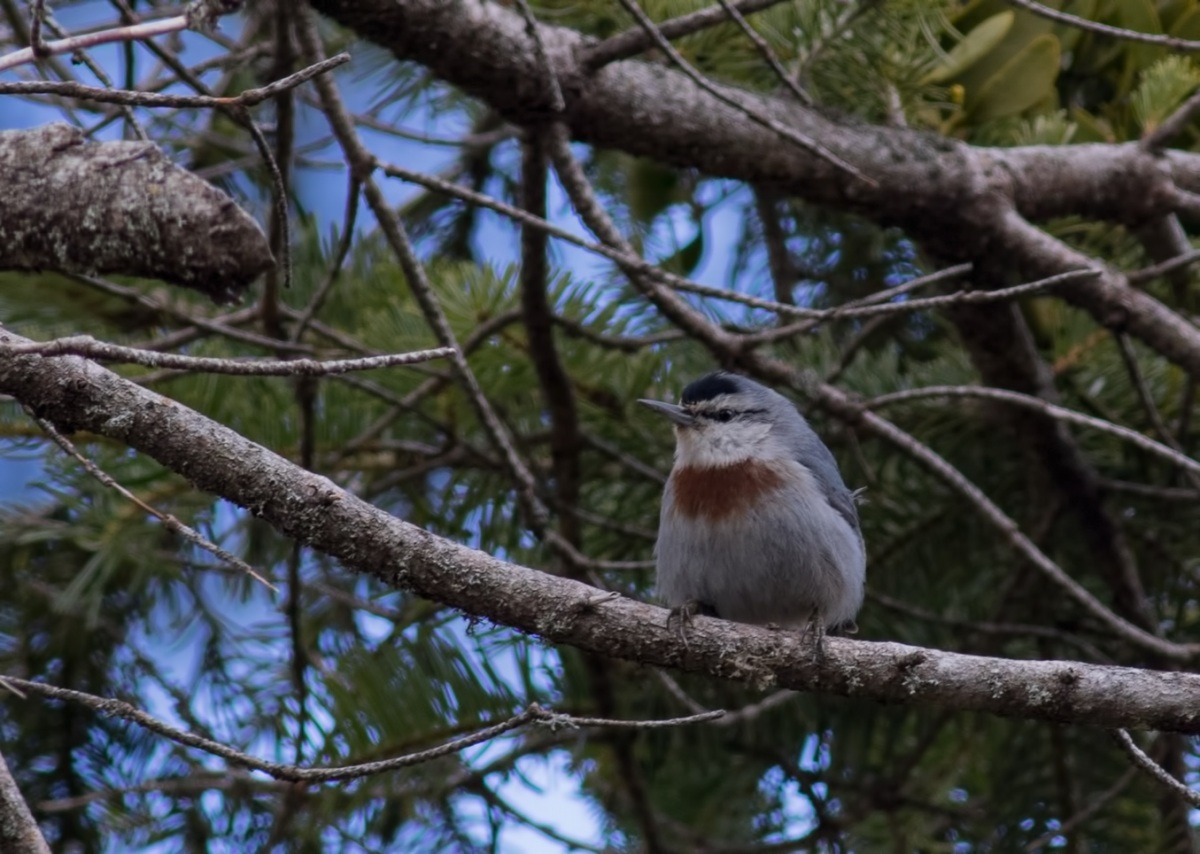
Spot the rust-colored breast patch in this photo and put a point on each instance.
(714, 493)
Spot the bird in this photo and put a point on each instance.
(756, 524)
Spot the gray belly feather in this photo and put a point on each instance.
(788, 554)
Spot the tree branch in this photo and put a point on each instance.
(78, 395)
(121, 207)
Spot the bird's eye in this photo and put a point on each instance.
(723, 415)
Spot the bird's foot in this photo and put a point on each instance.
(814, 633)
(684, 614)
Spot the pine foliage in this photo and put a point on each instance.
(96, 595)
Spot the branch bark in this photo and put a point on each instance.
(76, 394)
(77, 206)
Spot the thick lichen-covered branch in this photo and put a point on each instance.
(75, 206)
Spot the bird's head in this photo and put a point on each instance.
(723, 419)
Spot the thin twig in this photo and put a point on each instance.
(538, 316)
(860, 310)
(746, 713)
(1129, 359)
(248, 98)
(37, 9)
(850, 350)
(608, 524)
(784, 273)
(196, 783)
(554, 720)
(632, 263)
(1172, 125)
(219, 326)
(362, 162)
(1162, 493)
(1051, 410)
(480, 140)
(627, 343)
(627, 460)
(88, 347)
(101, 75)
(410, 401)
(635, 40)
(1105, 29)
(839, 403)
(1020, 630)
(566, 843)
(676, 690)
(1153, 769)
(807, 143)
(280, 771)
(138, 32)
(1161, 269)
(765, 51)
(279, 193)
(170, 522)
(1145, 397)
(129, 712)
(353, 194)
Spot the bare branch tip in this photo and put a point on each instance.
(6, 684)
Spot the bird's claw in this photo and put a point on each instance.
(814, 632)
(684, 614)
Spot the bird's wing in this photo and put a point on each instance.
(842, 500)
(818, 459)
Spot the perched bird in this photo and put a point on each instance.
(756, 523)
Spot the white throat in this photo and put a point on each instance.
(717, 445)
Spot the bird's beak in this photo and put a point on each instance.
(676, 413)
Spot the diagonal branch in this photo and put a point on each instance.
(362, 163)
(1153, 770)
